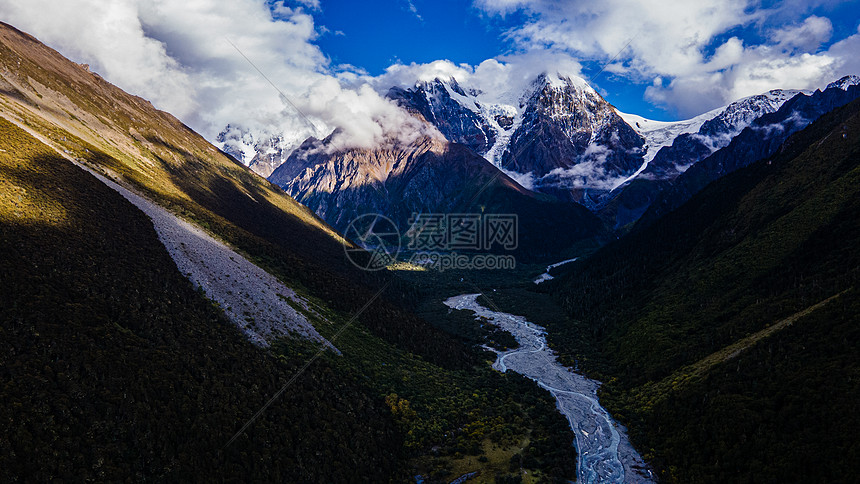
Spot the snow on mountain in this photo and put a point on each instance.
(506, 120)
(570, 141)
(453, 111)
(738, 115)
(762, 137)
(498, 116)
(553, 133)
(715, 130)
(682, 147)
(261, 151)
(845, 82)
(658, 134)
(469, 117)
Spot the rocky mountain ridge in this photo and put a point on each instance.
(556, 136)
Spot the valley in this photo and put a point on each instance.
(605, 453)
(679, 302)
(102, 308)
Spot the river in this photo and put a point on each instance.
(546, 276)
(603, 451)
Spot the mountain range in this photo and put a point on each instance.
(710, 281)
(426, 176)
(728, 326)
(557, 139)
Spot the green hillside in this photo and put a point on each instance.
(116, 368)
(98, 382)
(727, 330)
(121, 135)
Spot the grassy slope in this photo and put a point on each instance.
(97, 379)
(461, 410)
(759, 246)
(99, 124)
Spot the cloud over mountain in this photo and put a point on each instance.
(179, 55)
(698, 50)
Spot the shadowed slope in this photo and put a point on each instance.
(87, 118)
(765, 243)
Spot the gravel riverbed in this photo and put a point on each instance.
(604, 453)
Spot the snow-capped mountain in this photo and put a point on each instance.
(572, 141)
(672, 148)
(658, 134)
(760, 139)
(845, 82)
(558, 135)
(262, 152)
(428, 175)
(447, 106)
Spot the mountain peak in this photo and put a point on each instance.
(559, 81)
(845, 82)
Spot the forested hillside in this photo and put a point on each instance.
(98, 371)
(116, 368)
(727, 331)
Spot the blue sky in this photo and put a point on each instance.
(665, 59)
(374, 34)
(379, 33)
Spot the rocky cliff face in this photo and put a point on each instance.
(394, 181)
(557, 136)
(426, 176)
(572, 142)
(436, 102)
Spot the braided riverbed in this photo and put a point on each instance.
(603, 451)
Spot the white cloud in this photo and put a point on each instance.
(177, 55)
(589, 172)
(363, 117)
(502, 6)
(497, 78)
(807, 36)
(845, 54)
(673, 40)
(525, 180)
(410, 5)
(312, 4)
(758, 69)
(109, 37)
(668, 37)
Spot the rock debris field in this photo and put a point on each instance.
(257, 302)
